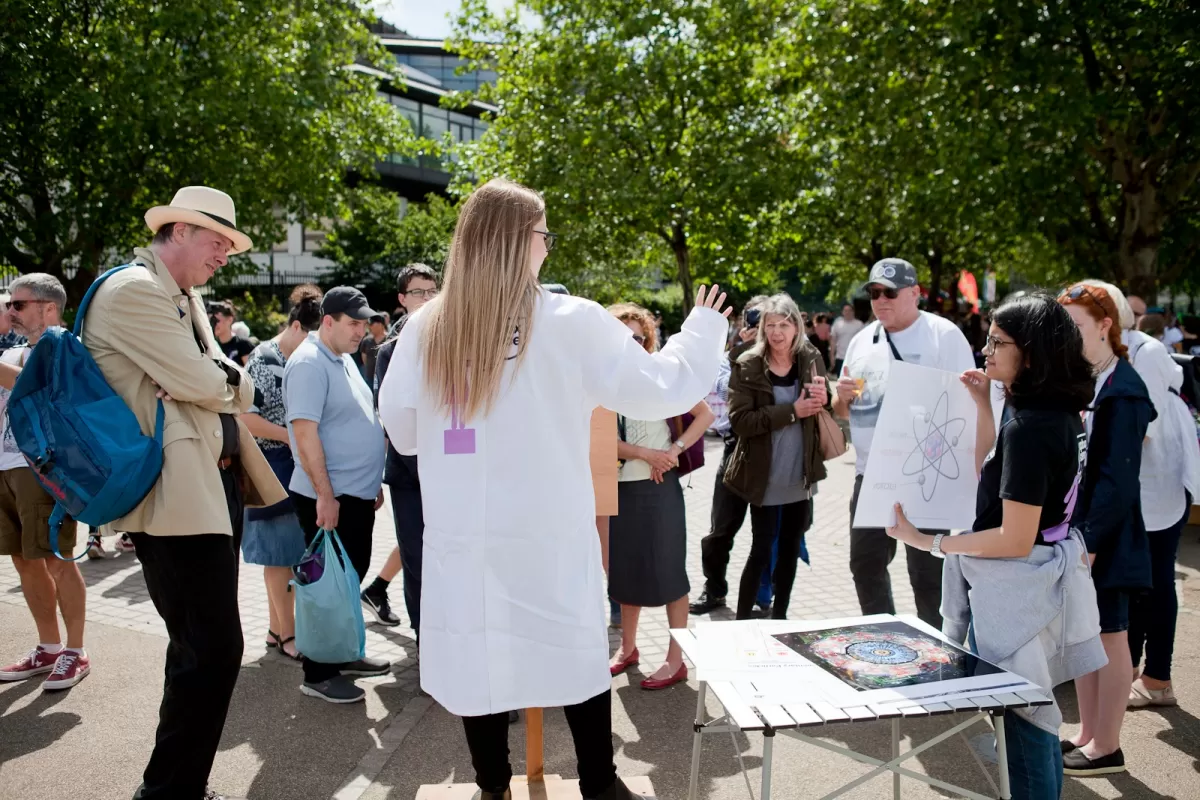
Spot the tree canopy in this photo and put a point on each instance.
(107, 107)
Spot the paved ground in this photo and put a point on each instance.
(279, 744)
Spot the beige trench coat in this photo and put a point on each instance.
(136, 334)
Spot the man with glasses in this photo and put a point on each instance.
(8, 337)
(902, 332)
(49, 584)
(417, 285)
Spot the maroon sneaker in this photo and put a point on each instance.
(70, 669)
(37, 662)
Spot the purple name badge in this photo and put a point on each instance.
(459, 440)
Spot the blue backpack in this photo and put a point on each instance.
(82, 441)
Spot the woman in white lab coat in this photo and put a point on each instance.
(493, 384)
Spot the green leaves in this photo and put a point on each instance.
(108, 107)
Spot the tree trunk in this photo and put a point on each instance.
(934, 258)
(683, 268)
(1141, 236)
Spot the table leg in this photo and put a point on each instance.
(697, 738)
(895, 755)
(768, 748)
(1002, 755)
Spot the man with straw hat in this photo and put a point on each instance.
(148, 331)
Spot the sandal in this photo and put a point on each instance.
(283, 650)
(273, 638)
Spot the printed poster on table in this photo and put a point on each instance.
(881, 661)
(922, 453)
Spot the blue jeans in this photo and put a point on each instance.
(1035, 765)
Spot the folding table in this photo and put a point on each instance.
(800, 720)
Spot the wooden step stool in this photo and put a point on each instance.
(536, 785)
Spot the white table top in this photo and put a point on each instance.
(763, 715)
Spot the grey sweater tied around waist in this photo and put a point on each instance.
(1034, 616)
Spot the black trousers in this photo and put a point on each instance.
(408, 516)
(1153, 614)
(193, 581)
(787, 523)
(591, 728)
(872, 550)
(728, 515)
(356, 519)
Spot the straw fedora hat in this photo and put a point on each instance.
(208, 208)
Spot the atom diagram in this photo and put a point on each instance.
(935, 447)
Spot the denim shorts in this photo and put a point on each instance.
(1114, 610)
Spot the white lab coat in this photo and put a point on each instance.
(512, 603)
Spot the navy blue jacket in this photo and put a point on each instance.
(1109, 511)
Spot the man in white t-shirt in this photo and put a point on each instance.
(844, 329)
(50, 585)
(902, 333)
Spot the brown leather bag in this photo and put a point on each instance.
(833, 441)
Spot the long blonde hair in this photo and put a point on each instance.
(780, 305)
(487, 297)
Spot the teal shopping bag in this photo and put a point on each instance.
(329, 617)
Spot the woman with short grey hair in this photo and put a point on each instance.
(776, 391)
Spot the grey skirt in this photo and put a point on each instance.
(647, 543)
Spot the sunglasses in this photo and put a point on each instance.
(550, 238)
(639, 339)
(422, 293)
(19, 305)
(876, 292)
(1078, 292)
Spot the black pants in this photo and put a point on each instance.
(409, 519)
(788, 524)
(728, 514)
(1153, 614)
(356, 519)
(591, 728)
(193, 581)
(872, 550)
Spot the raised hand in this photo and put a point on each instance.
(713, 301)
(979, 385)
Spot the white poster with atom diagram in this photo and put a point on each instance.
(922, 454)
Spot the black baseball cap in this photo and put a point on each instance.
(892, 273)
(347, 300)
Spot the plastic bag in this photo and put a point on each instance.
(329, 617)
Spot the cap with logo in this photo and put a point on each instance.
(893, 273)
(347, 300)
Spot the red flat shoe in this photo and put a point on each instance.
(680, 676)
(621, 666)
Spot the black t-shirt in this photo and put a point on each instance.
(237, 349)
(1037, 456)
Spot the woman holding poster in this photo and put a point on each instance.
(1005, 585)
(493, 384)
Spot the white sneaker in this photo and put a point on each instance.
(1141, 696)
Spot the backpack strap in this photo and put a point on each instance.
(56, 520)
(87, 297)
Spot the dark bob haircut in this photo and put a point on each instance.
(1054, 374)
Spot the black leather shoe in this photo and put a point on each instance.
(618, 791)
(706, 603)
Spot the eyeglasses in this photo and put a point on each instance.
(422, 293)
(550, 238)
(19, 305)
(876, 292)
(639, 339)
(992, 343)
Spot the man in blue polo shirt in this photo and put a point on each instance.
(339, 446)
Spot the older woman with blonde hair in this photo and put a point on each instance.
(648, 537)
(493, 385)
(776, 391)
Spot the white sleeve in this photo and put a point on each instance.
(400, 389)
(1158, 371)
(955, 352)
(621, 376)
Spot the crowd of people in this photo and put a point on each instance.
(1084, 482)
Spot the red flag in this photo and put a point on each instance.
(968, 290)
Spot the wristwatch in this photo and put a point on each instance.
(679, 443)
(936, 549)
